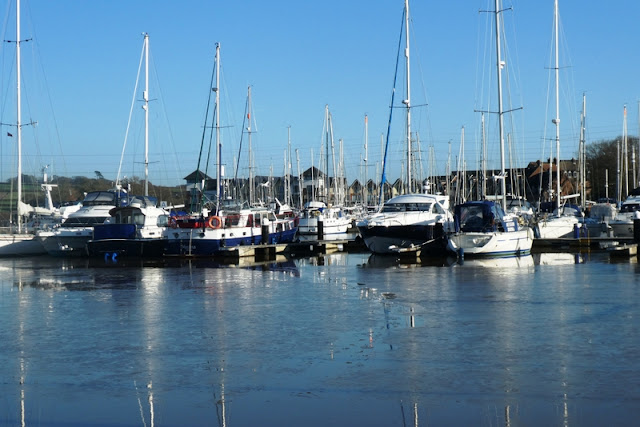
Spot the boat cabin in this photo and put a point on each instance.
(482, 216)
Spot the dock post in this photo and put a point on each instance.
(636, 230)
(320, 229)
(265, 234)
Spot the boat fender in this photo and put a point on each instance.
(214, 222)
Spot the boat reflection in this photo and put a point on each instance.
(327, 237)
(395, 261)
(557, 258)
(95, 274)
(500, 263)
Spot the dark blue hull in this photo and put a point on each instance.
(200, 246)
(129, 248)
(431, 238)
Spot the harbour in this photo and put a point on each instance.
(340, 339)
(495, 286)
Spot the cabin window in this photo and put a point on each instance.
(393, 207)
(138, 218)
(163, 221)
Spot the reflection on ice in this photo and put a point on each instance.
(499, 263)
(558, 258)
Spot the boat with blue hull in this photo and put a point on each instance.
(209, 236)
(136, 230)
(70, 238)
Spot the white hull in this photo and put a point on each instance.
(20, 245)
(621, 228)
(329, 226)
(558, 227)
(66, 242)
(497, 243)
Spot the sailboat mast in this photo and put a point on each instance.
(217, 126)
(288, 196)
(251, 182)
(300, 181)
(556, 120)
(145, 97)
(583, 178)
(500, 64)
(18, 114)
(484, 161)
(326, 157)
(407, 101)
(366, 159)
(625, 157)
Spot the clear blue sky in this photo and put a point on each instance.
(298, 57)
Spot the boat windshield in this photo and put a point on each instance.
(84, 221)
(406, 207)
(629, 207)
(130, 216)
(99, 198)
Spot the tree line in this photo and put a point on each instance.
(602, 165)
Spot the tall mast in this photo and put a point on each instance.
(145, 97)
(300, 181)
(19, 114)
(217, 126)
(407, 101)
(625, 157)
(556, 121)
(464, 169)
(366, 159)
(327, 181)
(500, 64)
(583, 137)
(249, 118)
(484, 161)
(287, 159)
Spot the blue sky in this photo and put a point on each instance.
(298, 58)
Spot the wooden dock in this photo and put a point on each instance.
(582, 243)
(293, 249)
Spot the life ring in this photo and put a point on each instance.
(172, 222)
(214, 222)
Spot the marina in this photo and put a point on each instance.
(234, 284)
(341, 339)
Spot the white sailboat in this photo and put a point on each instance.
(483, 228)
(16, 241)
(333, 217)
(561, 223)
(414, 219)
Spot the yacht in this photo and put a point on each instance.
(409, 220)
(622, 222)
(483, 229)
(231, 226)
(334, 219)
(135, 230)
(69, 239)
